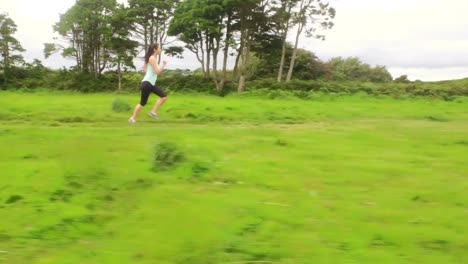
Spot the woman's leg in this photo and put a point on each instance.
(136, 112)
(162, 99)
(146, 88)
(158, 104)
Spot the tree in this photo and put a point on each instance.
(348, 69)
(123, 49)
(283, 16)
(86, 30)
(380, 74)
(309, 67)
(402, 79)
(221, 13)
(310, 15)
(36, 69)
(253, 23)
(188, 26)
(9, 45)
(353, 69)
(206, 28)
(209, 27)
(151, 20)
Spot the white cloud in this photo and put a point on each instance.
(426, 39)
(34, 20)
(431, 74)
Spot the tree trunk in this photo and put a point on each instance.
(283, 58)
(302, 11)
(151, 30)
(241, 86)
(205, 75)
(215, 64)
(163, 34)
(208, 44)
(245, 60)
(146, 39)
(239, 53)
(243, 69)
(293, 57)
(97, 56)
(283, 51)
(158, 40)
(236, 64)
(226, 53)
(243, 52)
(200, 59)
(119, 73)
(6, 63)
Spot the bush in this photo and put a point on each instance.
(14, 199)
(199, 169)
(34, 77)
(120, 106)
(166, 155)
(186, 83)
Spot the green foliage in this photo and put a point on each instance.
(402, 79)
(443, 90)
(309, 67)
(199, 169)
(167, 155)
(36, 76)
(379, 74)
(119, 106)
(281, 142)
(49, 49)
(150, 21)
(186, 83)
(9, 45)
(14, 198)
(87, 83)
(28, 76)
(199, 24)
(352, 69)
(98, 37)
(122, 50)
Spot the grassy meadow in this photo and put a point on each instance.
(351, 179)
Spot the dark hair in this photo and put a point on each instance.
(150, 51)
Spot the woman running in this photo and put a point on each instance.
(148, 84)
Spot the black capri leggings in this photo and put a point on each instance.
(146, 89)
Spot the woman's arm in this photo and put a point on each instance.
(157, 70)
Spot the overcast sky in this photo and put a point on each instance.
(425, 39)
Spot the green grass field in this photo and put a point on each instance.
(333, 180)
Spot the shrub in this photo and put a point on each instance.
(120, 106)
(14, 199)
(199, 169)
(166, 155)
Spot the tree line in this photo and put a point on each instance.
(103, 35)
